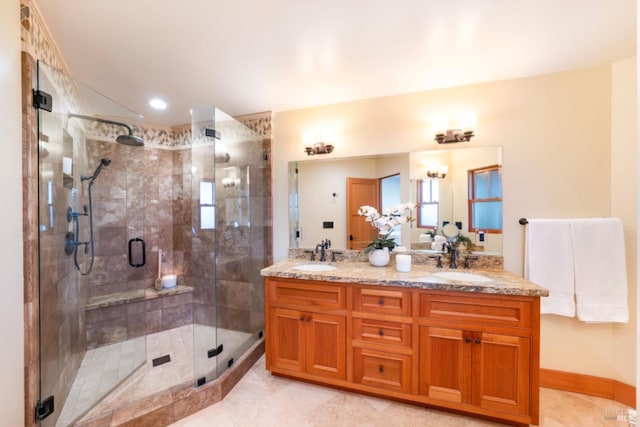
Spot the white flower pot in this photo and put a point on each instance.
(379, 257)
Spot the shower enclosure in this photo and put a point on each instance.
(120, 204)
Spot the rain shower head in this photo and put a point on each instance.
(130, 139)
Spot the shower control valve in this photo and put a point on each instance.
(71, 214)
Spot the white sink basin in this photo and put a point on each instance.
(315, 267)
(465, 277)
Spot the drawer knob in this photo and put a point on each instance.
(478, 341)
(381, 369)
(381, 332)
(302, 318)
(467, 340)
(381, 301)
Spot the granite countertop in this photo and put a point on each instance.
(421, 277)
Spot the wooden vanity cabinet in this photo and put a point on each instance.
(471, 352)
(306, 328)
(479, 350)
(487, 370)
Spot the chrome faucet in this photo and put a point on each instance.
(324, 245)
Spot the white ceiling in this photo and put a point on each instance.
(247, 56)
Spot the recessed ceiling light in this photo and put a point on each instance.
(158, 104)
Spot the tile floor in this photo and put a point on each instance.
(260, 399)
(123, 372)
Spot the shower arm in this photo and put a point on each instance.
(106, 121)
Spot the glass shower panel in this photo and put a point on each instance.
(201, 255)
(232, 159)
(91, 248)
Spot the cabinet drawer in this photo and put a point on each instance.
(381, 332)
(388, 371)
(382, 301)
(306, 294)
(489, 311)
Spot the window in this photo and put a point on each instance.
(207, 209)
(485, 199)
(428, 203)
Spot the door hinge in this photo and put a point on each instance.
(212, 133)
(44, 408)
(42, 100)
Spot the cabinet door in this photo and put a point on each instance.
(501, 379)
(445, 364)
(286, 340)
(325, 345)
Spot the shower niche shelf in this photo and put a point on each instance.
(67, 181)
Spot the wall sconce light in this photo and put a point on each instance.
(314, 142)
(318, 148)
(229, 182)
(437, 172)
(462, 133)
(231, 179)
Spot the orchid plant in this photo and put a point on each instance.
(386, 222)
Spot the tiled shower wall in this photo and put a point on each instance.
(139, 195)
(227, 294)
(244, 250)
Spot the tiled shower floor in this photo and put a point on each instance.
(104, 367)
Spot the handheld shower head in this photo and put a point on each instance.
(103, 162)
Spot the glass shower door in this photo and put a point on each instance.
(229, 239)
(91, 248)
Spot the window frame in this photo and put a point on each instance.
(472, 200)
(421, 203)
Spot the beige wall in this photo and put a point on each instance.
(317, 204)
(316, 187)
(624, 191)
(555, 131)
(11, 302)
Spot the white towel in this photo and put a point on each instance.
(549, 263)
(600, 270)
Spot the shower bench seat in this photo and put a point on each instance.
(124, 315)
(134, 296)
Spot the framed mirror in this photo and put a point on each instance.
(318, 195)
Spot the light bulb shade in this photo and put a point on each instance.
(439, 125)
(468, 122)
(437, 172)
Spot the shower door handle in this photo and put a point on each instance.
(144, 261)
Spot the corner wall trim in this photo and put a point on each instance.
(590, 385)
